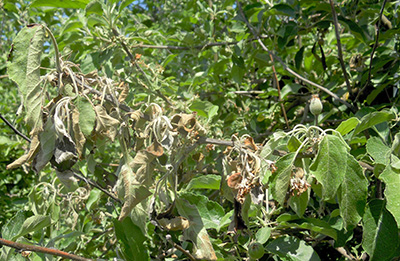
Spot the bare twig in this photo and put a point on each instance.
(14, 129)
(348, 105)
(94, 184)
(133, 61)
(184, 251)
(339, 45)
(39, 249)
(200, 47)
(373, 51)
(279, 92)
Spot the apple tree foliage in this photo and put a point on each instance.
(184, 129)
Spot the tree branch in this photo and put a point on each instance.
(39, 249)
(200, 47)
(373, 51)
(348, 105)
(133, 61)
(14, 129)
(339, 45)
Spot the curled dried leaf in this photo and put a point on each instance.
(234, 180)
(105, 124)
(250, 144)
(174, 224)
(33, 150)
(155, 149)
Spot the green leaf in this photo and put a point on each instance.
(352, 193)
(378, 150)
(328, 167)
(237, 74)
(391, 177)
(169, 59)
(61, 3)
(282, 176)
(197, 233)
(372, 119)
(292, 248)
(94, 196)
(13, 228)
(210, 211)
(35, 223)
(205, 182)
(293, 144)
(24, 69)
(263, 235)
(204, 108)
(132, 240)
(299, 203)
(284, 9)
(380, 234)
(299, 58)
(87, 115)
(347, 125)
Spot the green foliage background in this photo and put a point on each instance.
(205, 57)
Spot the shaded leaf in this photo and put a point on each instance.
(47, 146)
(352, 193)
(292, 248)
(282, 177)
(133, 240)
(196, 233)
(380, 236)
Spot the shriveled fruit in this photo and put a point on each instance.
(256, 250)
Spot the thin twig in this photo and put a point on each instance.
(339, 45)
(87, 180)
(133, 61)
(279, 92)
(373, 51)
(39, 249)
(14, 129)
(94, 184)
(184, 251)
(200, 47)
(348, 105)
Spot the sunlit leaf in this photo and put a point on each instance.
(328, 167)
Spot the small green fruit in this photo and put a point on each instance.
(256, 250)
(315, 105)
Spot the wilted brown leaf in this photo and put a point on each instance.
(155, 149)
(79, 137)
(34, 148)
(174, 224)
(105, 124)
